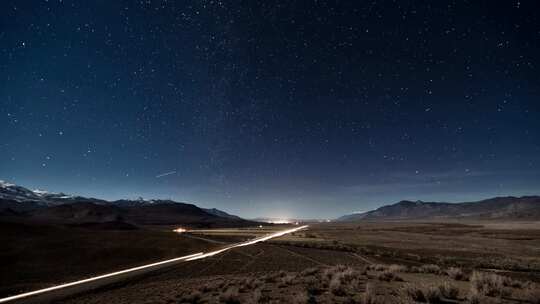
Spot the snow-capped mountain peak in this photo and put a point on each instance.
(17, 193)
(4, 184)
(40, 192)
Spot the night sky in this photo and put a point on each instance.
(276, 108)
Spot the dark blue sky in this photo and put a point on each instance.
(287, 108)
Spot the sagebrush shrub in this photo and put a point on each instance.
(456, 274)
(487, 284)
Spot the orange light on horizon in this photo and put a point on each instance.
(180, 230)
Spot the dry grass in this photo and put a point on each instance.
(431, 293)
(339, 284)
(340, 277)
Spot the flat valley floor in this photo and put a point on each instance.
(391, 262)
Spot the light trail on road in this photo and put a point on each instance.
(246, 243)
(191, 257)
(108, 275)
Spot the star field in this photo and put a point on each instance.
(277, 108)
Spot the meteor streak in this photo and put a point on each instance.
(165, 174)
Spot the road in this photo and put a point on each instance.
(64, 290)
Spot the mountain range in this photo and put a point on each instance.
(517, 208)
(18, 203)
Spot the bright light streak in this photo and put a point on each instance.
(280, 221)
(250, 242)
(180, 230)
(190, 257)
(24, 295)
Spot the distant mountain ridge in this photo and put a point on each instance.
(220, 213)
(519, 208)
(20, 203)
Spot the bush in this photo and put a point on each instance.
(509, 282)
(230, 296)
(194, 296)
(430, 268)
(328, 273)
(248, 284)
(487, 284)
(300, 298)
(369, 296)
(388, 276)
(449, 291)
(532, 296)
(415, 293)
(377, 267)
(456, 274)
(313, 286)
(287, 280)
(433, 295)
(310, 271)
(206, 288)
(474, 297)
(336, 286)
(270, 278)
(398, 268)
(349, 274)
(255, 297)
(424, 294)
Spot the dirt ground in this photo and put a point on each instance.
(395, 262)
(38, 256)
(510, 247)
(355, 263)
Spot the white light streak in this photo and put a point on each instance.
(24, 295)
(191, 257)
(165, 174)
(250, 242)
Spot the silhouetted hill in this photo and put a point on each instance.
(519, 208)
(19, 203)
(78, 212)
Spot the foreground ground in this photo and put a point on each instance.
(351, 263)
(38, 256)
(509, 247)
(394, 262)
